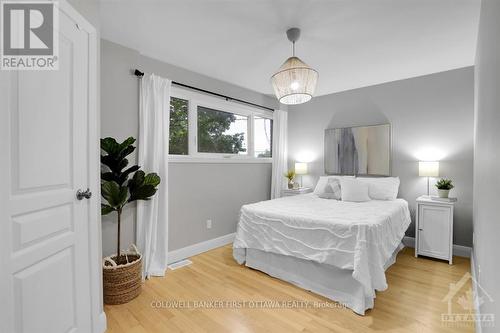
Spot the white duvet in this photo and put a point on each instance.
(360, 237)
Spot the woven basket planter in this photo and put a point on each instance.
(122, 282)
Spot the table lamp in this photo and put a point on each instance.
(300, 169)
(428, 169)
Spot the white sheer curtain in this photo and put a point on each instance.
(152, 215)
(280, 158)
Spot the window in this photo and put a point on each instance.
(203, 126)
(221, 132)
(263, 129)
(178, 140)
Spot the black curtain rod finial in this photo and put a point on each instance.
(138, 73)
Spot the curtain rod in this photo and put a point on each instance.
(140, 74)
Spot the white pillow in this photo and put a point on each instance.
(354, 190)
(385, 188)
(332, 190)
(323, 181)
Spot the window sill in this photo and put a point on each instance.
(218, 160)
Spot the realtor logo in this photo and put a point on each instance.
(467, 301)
(29, 38)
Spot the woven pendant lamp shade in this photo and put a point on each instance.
(295, 82)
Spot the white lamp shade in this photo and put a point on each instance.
(295, 82)
(300, 168)
(428, 169)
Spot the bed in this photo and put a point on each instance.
(334, 248)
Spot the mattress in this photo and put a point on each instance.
(358, 237)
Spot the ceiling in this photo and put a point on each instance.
(352, 43)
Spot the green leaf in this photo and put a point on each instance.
(122, 178)
(131, 169)
(142, 193)
(125, 152)
(110, 162)
(152, 179)
(114, 164)
(142, 186)
(127, 142)
(109, 145)
(108, 176)
(136, 181)
(121, 164)
(106, 209)
(115, 195)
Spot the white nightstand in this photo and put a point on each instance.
(289, 193)
(434, 228)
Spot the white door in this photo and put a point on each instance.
(45, 280)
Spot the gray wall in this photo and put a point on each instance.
(433, 111)
(88, 9)
(487, 159)
(197, 191)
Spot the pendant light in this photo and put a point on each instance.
(295, 81)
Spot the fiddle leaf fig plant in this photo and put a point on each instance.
(117, 189)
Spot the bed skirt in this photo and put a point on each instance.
(326, 280)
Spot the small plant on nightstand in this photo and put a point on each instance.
(444, 186)
(290, 175)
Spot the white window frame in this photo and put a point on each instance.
(196, 99)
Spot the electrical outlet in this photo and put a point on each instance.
(209, 224)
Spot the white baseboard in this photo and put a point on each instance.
(100, 325)
(198, 248)
(473, 272)
(458, 250)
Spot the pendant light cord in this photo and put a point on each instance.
(293, 49)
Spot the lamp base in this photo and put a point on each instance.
(428, 187)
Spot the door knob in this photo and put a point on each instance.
(80, 194)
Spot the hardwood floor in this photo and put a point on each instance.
(412, 303)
